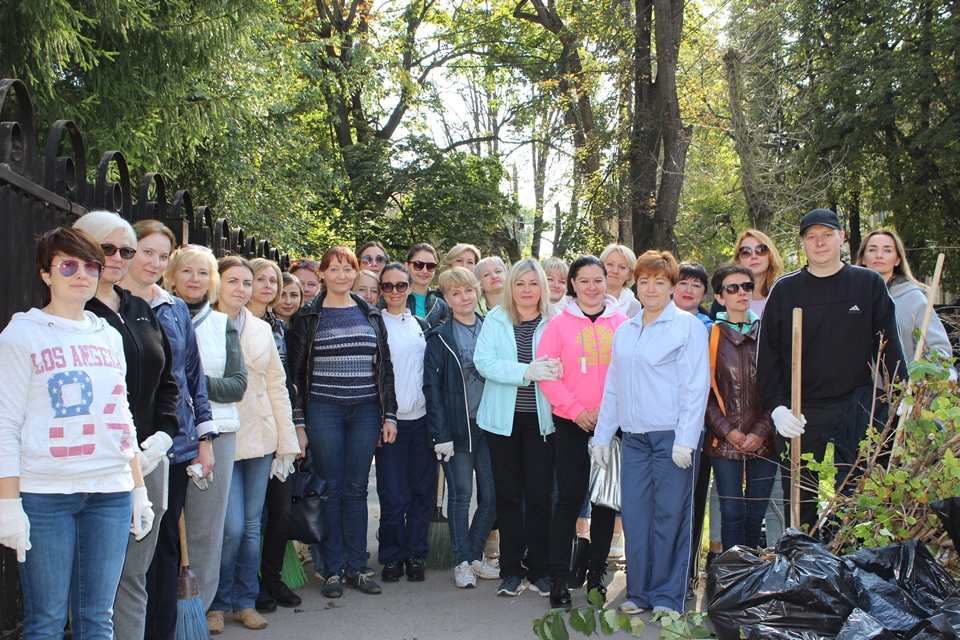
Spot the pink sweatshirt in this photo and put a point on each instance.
(584, 348)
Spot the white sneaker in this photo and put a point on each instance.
(464, 576)
(616, 546)
(486, 569)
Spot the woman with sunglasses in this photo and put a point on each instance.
(406, 467)
(373, 257)
(291, 298)
(883, 251)
(155, 591)
(755, 250)
(306, 271)
(152, 390)
(739, 440)
(69, 470)
(192, 276)
(340, 365)
(264, 299)
(517, 419)
(424, 301)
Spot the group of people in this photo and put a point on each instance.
(141, 418)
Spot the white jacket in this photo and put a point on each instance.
(407, 345)
(658, 380)
(211, 332)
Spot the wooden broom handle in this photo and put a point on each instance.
(931, 295)
(184, 558)
(795, 386)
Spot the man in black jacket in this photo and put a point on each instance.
(847, 317)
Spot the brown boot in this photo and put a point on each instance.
(251, 619)
(215, 622)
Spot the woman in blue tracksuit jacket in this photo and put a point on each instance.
(519, 424)
(656, 392)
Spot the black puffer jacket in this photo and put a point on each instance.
(151, 388)
(300, 340)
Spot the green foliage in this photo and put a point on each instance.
(596, 619)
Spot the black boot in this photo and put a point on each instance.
(559, 593)
(595, 581)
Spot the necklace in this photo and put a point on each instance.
(473, 328)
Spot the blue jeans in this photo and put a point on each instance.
(657, 506)
(343, 439)
(79, 543)
(469, 541)
(240, 555)
(407, 488)
(741, 512)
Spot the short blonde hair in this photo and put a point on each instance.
(455, 277)
(455, 252)
(508, 303)
(555, 264)
(261, 264)
(369, 274)
(100, 224)
(189, 254)
(628, 255)
(658, 263)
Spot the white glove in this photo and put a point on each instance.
(787, 425)
(195, 471)
(542, 369)
(444, 451)
(15, 527)
(142, 514)
(682, 456)
(152, 450)
(601, 455)
(282, 465)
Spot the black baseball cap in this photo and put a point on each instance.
(820, 216)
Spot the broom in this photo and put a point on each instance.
(191, 621)
(292, 573)
(440, 555)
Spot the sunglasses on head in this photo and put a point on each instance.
(372, 259)
(759, 250)
(125, 252)
(420, 266)
(748, 287)
(68, 268)
(304, 262)
(388, 287)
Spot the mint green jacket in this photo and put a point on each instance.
(496, 359)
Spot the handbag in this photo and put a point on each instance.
(308, 513)
(605, 483)
(579, 555)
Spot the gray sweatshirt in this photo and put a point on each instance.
(911, 303)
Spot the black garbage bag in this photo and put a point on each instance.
(763, 632)
(802, 587)
(862, 626)
(933, 628)
(950, 610)
(900, 584)
(949, 512)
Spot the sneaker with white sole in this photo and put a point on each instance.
(510, 586)
(486, 569)
(464, 577)
(630, 608)
(541, 586)
(616, 546)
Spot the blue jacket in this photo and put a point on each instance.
(658, 380)
(193, 410)
(444, 388)
(496, 360)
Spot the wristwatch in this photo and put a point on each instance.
(207, 438)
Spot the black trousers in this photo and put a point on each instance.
(522, 465)
(277, 505)
(572, 463)
(701, 499)
(844, 423)
(165, 568)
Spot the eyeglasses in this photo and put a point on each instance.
(68, 268)
(125, 252)
(759, 250)
(388, 287)
(748, 287)
(371, 260)
(197, 247)
(420, 266)
(304, 262)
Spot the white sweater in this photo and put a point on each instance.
(65, 426)
(407, 345)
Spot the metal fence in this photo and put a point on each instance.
(39, 192)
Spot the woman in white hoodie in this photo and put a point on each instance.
(70, 479)
(883, 251)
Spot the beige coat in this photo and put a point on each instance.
(266, 419)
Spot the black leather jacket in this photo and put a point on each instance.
(301, 337)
